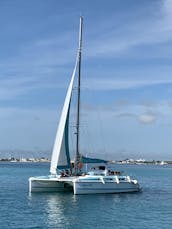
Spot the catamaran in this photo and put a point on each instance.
(63, 177)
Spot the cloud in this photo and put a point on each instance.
(124, 114)
(159, 112)
(22, 80)
(40, 59)
(40, 63)
(167, 10)
(140, 28)
(144, 118)
(147, 118)
(110, 83)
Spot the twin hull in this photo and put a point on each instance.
(49, 185)
(81, 186)
(99, 187)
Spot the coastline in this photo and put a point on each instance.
(126, 161)
(18, 160)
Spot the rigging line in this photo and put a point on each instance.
(87, 148)
(88, 134)
(101, 132)
(90, 144)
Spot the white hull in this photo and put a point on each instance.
(48, 184)
(85, 186)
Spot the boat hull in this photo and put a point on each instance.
(41, 184)
(83, 185)
(88, 187)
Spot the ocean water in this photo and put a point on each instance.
(150, 209)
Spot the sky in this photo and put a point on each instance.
(126, 83)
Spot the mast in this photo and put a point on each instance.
(78, 98)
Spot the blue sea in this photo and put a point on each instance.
(150, 209)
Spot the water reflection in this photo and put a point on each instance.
(65, 210)
(57, 208)
(56, 211)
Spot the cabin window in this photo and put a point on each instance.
(102, 167)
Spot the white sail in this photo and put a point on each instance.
(60, 156)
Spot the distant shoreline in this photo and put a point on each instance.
(12, 159)
(126, 161)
